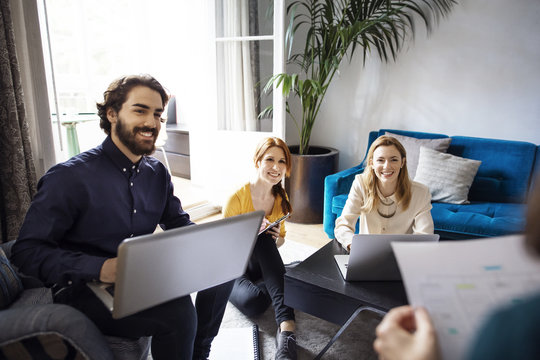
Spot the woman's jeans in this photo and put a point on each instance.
(263, 282)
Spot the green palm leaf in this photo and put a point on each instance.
(335, 29)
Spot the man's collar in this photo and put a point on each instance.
(117, 156)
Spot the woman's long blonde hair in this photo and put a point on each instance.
(369, 180)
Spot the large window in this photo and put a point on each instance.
(93, 42)
(245, 61)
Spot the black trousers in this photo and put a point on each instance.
(262, 284)
(179, 330)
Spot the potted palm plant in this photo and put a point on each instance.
(335, 29)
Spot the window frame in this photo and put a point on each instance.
(278, 39)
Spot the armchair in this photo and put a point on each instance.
(34, 325)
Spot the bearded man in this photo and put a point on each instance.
(87, 205)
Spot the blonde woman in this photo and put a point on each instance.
(384, 198)
(263, 282)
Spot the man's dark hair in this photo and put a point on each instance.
(116, 94)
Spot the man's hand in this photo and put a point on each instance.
(406, 333)
(108, 271)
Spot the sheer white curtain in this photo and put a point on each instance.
(239, 105)
(32, 69)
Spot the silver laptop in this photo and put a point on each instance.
(372, 259)
(156, 268)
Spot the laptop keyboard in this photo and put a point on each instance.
(110, 289)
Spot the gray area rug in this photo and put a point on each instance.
(312, 335)
(234, 342)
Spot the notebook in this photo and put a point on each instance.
(371, 257)
(236, 343)
(156, 268)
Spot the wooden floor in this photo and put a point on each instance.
(193, 201)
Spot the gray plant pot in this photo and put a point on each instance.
(305, 186)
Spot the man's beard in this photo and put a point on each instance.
(127, 138)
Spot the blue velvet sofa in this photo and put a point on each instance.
(497, 196)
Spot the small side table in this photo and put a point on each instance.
(72, 138)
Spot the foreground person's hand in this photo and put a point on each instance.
(406, 333)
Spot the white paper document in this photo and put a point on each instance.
(462, 282)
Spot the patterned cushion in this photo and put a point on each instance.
(448, 177)
(10, 284)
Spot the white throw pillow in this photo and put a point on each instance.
(412, 146)
(448, 177)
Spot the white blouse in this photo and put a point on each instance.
(415, 220)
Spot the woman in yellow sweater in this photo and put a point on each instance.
(263, 282)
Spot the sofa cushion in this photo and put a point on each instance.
(447, 176)
(10, 284)
(34, 296)
(412, 147)
(479, 218)
(506, 171)
(471, 220)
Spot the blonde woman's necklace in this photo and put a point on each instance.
(387, 206)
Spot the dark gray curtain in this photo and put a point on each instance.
(17, 173)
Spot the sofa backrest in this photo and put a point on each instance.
(507, 170)
(415, 134)
(373, 135)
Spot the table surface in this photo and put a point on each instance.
(315, 286)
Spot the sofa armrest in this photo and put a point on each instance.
(337, 184)
(53, 327)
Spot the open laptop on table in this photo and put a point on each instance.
(155, 268)
(372, 259)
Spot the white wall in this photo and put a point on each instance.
(477, 74)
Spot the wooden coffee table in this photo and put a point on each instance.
(315, 286)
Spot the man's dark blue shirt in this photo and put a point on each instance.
(86, 206)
